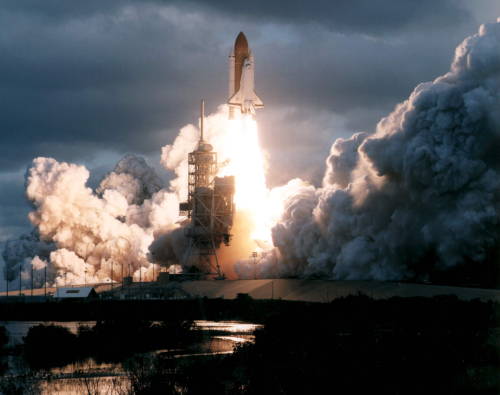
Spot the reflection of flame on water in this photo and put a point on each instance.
(226, 326)
(235, 339)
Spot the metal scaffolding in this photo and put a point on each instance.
(209, 207)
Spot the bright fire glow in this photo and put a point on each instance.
(246, 161)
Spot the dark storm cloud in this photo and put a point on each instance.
(79, 76)
(361, 16)
(112, 80)
(13, 206)
(62, 8)
(332, 73)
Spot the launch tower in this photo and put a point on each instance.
(209, 207)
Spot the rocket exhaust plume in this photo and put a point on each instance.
(418, 196)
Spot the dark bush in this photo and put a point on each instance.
(50, 345)
(359, 345)
(4, 338)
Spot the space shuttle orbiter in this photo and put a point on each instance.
(242, 96)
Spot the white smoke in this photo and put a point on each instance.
(420, 194)
(133, 178)
(87, 236)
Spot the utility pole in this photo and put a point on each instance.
(131, 279)
(45, 280)
(122, 259)
(32, 279)
(111, 282)
(20, 271)
(254, 256)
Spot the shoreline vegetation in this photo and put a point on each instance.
(352, 345)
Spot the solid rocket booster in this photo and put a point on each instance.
(242, 96)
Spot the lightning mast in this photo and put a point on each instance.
(209, 207)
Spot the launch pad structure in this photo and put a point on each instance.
(209, 207)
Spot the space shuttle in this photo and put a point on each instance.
(242, 96)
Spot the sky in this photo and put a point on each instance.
(90, 81)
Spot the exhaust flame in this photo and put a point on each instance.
(247, 163)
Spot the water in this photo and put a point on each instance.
(18, 329)
(108, 385)
(227, 326)
(107, 378)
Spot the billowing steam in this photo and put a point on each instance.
(129, 222)
(420, 194)
(91, 236)
(133, 178)
(95, 236)
(20, 254)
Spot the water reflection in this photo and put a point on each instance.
(88, 376)
(226, 326)
(117, 384)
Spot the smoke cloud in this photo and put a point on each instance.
(420, 194)
(86, 236)
(19, 253)
(129, 225)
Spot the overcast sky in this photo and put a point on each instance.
(89, 81)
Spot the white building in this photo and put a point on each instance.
(76, 293)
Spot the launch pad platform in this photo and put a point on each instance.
(316, 291)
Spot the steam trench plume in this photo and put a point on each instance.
(418, 196)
